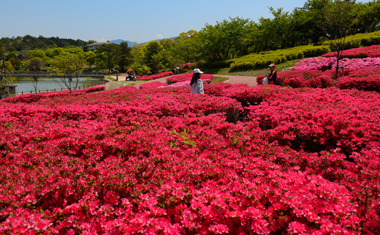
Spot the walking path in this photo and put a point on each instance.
(251, 81)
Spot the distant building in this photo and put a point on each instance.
(96, 45)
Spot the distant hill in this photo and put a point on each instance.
(118, 41)
(30, 42)
(130, 44)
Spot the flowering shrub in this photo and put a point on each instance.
(361, 79)
(302, 78)
(186, 66)
(371, 51)
(187, 77)
(365, 83)
(164, 161)
(28, 98)
(325, 63)
(155, 76)
(152, 85)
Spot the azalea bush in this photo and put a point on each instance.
(237, 160)
(152, 85)
(328, 63)
(302, 78)
(370, 51)
(367, 80)
(155, 76)
(28, 98)
(186, 66)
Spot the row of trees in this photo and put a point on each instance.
(312, 23)
(28, 42)
(316, 21)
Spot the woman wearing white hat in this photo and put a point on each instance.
(196, 84)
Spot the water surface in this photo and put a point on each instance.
(25, 84)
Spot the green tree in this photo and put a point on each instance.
(151, 49)
(35, 66)
(339, 17)
(220, 41)
(2, 57)
(52, 52)
(108, 51)
(90, 57)
(367, 17)
(186, 47)
(305, 26)
(123, 55)
(37, 53)
(7, 80)
(68, 67)
(167, 43)
(138, 58)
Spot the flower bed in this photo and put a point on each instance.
(155, 76)
(151, 161)
(363, 79)
(187, 77)
(29, 98)
(186, 66)
(326, 63)
(302, 78)
(152, 85)
(371, 51)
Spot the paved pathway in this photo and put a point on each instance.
(251, 81)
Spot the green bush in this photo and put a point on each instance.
(218, 64)
(360, 39)
(198, 64)
(263, 59)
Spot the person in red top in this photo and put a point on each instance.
(272, 77)
(131, 75)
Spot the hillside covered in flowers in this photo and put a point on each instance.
(237, 160)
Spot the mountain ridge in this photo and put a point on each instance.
(130, 44)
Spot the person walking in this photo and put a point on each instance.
(272, 77)
(196, 84)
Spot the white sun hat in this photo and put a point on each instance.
(197, 71)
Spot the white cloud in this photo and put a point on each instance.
(159, 36)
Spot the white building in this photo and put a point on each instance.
(96, 45)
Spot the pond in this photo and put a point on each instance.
(25, 84)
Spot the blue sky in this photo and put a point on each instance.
(137, 21)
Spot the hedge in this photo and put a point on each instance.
(262, 59)
(360, 39)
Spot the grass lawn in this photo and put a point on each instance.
(217, 79)
(256, 72)
(111, 78)
(131, 83)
